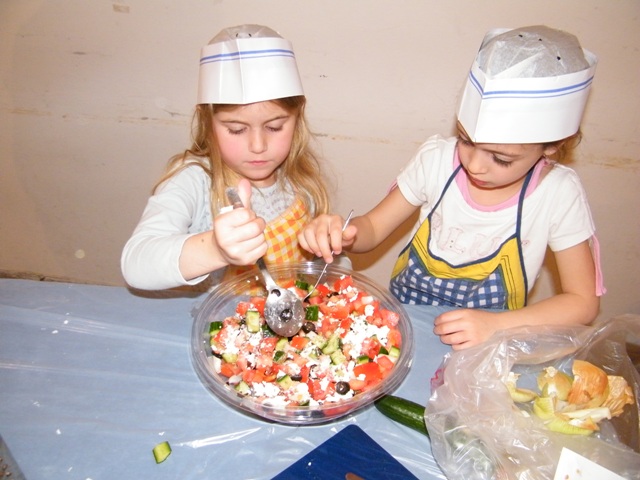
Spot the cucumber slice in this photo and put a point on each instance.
(332, 345)
(161, 451)
(243, 388)
(363, 359)
(279, 356)
(214, 328)
(252, 319)
(394, 352)
(338, 358)
(311, 313)
(230, 357)
(282, 343)
(285, 382)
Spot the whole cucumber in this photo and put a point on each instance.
(403, 411)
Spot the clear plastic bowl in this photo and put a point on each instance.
(222, 302)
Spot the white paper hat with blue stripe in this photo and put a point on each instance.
(526, 85)
(247, 64)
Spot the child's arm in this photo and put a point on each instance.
(578, 304)
(324, 234)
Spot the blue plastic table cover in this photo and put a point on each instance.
(93, 377)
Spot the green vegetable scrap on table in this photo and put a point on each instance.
(161, 451)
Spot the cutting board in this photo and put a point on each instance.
(350, 451)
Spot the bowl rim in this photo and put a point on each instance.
(202, 358)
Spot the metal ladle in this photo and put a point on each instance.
(283, 310)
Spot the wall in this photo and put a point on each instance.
(95, 96)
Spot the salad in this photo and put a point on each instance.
(347, 345)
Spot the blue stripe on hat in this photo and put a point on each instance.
(224, 57)
(557, 92)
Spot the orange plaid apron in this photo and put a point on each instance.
(282, 239)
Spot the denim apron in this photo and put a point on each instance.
(497, 281)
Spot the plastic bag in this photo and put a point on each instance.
(478, 432)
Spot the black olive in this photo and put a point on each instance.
(308, 327)
(333, 294)
(296, 378)
(286, 315)
(342, 388)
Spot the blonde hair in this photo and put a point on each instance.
(565, 147)
(301, 168)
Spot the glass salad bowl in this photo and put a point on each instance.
(355, 346)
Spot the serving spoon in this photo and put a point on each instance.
(283, 310)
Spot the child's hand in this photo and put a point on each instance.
(465, 328)
(239, 233)
(324, 236)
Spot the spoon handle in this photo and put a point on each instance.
(234, 198)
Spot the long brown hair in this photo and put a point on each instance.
(301, 168)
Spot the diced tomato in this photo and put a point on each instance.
(328, 327)
(373, 383)
(323, 289)
(258, 303)
(317, 300)
(242, 362)
(371, 347)
(346, 349)
(386, 365)
(338, 409)
(298, 342)
(231, 321)
(336, 311)
(304, 373)
(389, 318)
(258, 375)
(268, 345)
(345, 325)
(298, 359)
(242, 308)
(371, 371)
(287, 284)
(270, 374)
(343, 283)
(331, 389)
(299, 292)
(357, 385)
(248, 375)
(357, 305)
(394, 338)
(315, 390)
(229, 369)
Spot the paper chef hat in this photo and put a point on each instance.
(246, 64)
(528, 85)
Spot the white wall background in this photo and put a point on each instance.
(96, 95)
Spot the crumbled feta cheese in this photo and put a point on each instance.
(266, 389)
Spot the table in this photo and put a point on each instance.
(92, 377)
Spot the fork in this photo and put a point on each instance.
(324, 270)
